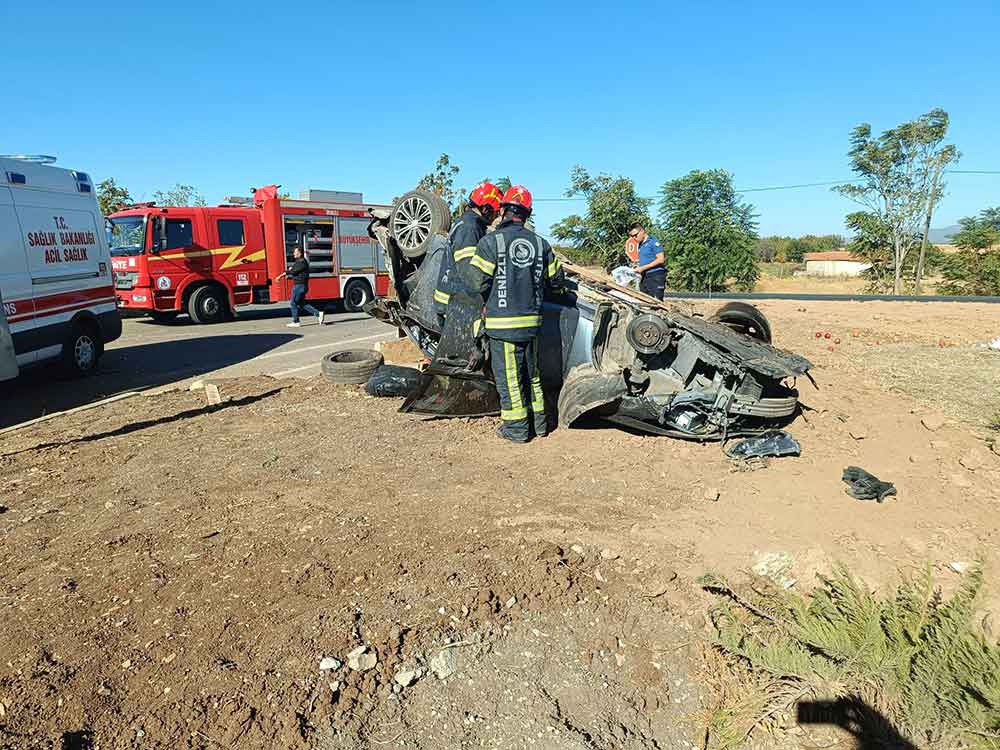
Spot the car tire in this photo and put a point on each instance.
(163, 316)
(208, 304)
(82, 349)
(415, 218)
(357, 294)
(351, 367)
(744, 318)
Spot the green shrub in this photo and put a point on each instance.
(916, 659)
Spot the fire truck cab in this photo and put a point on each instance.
(206, 261)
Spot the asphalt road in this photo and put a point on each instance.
(149, 354)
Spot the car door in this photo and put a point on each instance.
(15, 282)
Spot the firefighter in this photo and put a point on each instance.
(515, 266)
(484, 204)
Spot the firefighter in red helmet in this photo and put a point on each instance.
(515, 266)
(483, 206)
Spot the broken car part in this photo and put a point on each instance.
(774, 443)
(864, 486)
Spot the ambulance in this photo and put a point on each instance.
(56, 280)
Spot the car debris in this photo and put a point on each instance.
(775, 443)
(862, 485)
(610, 352)
(393, 380)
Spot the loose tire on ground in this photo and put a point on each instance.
(82, 349)
(357, 294)
(208, 304)
(163, 316)
(415, 218)
(351, 367)
(744, 318)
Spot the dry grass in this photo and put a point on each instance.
(962, 382)
(811, 284)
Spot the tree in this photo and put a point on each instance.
(975, 268)
(442, 179)
(179, 195)
(112, 197)
(872, 243)
(898, 174)
(709, 232)
(612, 207)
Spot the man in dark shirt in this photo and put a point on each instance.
(651, 266)
(298, 273)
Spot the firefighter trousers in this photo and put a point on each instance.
(519, 383)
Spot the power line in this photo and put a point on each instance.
(780, 187)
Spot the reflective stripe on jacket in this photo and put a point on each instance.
(463, 238)
(515, 266)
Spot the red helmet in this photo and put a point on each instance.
(517, 196)
(486, 194)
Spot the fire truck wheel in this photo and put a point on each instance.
(351, 367)
(82, 349)
(357, 294)
(163, 316)
(416, 217)
(207, 304)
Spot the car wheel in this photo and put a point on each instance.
(82, 349)
(163, 316)
(357, 294)
(746, 319)
(208, 304)
(351, 367)
(415, 219)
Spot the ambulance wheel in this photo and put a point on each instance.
(357, 294)
(163, 316)
(82, 349)
(208, 304)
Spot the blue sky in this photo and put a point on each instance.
(365, 96)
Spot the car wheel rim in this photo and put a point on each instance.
(411, 223)
(84, 352)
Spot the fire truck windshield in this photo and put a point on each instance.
(127, 235)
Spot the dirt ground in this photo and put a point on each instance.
(174, 576)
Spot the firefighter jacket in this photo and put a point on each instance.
(515, 266)
(463, 238)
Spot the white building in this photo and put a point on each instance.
(834, 263)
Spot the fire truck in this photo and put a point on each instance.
(207, 260)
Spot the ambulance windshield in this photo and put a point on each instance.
(128, 235)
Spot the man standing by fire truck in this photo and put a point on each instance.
(515, 266)
(298, 273)
(483, 206)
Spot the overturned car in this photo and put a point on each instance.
(607, 352)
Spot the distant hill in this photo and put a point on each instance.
(943, 236)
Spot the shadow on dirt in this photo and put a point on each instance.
(869, 727)
(43, 390)
(147, 423)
